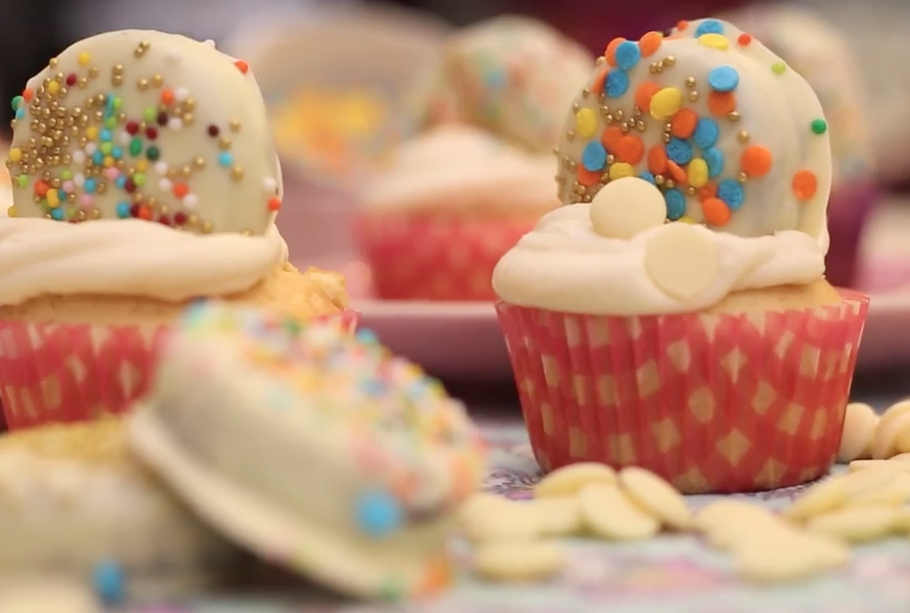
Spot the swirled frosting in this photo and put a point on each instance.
(460, 168)
(564, 265)
(129, 257)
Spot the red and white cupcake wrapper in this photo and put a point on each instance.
(52, 372)
(427, 257)
(713, 403)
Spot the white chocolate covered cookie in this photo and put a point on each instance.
(725, 129)
(145, 125)
(312, 448)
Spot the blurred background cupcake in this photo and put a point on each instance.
(478, 171)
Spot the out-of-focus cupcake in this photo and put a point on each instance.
(453, 198)
(822, 55)
(332, 83)
(163, 190)
(677, 317)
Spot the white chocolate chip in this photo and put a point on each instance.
(892, 466)
(657, 497)
(609, 514)
(892, 436)
(47, 596)
(568, 480)
(559, 516)
(895, 493)
(731, 527)
(477, 505)
(860, 422)
(509, 521)
(625, 207)
(823, 497)
(855, 524)
(781, 557)
(884, 432)
(680, 260)
(519, 561)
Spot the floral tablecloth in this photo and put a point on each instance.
(670, 574)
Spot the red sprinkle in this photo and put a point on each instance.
(71, 79)
(242, 66)
(132, 127)
(744, 39)
(151, 133)
(180, 218)
(274, 204)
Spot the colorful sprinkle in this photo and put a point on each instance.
(804, 185)
(819, 126)
(649, 177)
(709, 26)
(778, 68)
(716, 211)
(714, 158)
(627, 55)
(684, 123)
(723, 79)
(755, 161)
(706, 133)
(666, 103)
(621, 170)
(676, 204)
(679, 151)
(109, 582)
(378, 513)
(650, 43)
(731, 192)
(617, 84)
(594, 156)
(585, 122)
(714, 41)
(697, 172)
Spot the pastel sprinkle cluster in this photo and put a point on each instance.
(690, 160)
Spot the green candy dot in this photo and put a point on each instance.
(17, 102)
(110, 123)
(152, 153)
(135, 146)
(292, 327)
(106, 148)
(138, 179)
(778, 68)
(819, 126)
(22, 180)
(66, 175)
(149, 113)
(118, 103)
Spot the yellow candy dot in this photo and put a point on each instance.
(53, 87)
(685, 219)
(15, 154)
(91, 133)
(621, 170)
(666, 103)
(715, 41)
(11, 211)
(108, 162)
(53, 200)
(585, 123)
(84, 58)
(697, 172)
(142, 165)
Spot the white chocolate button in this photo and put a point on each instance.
(734, 526)
(895, 419)
(657, 497)
(47, 596)
(609, 514)
(823, 497)
(784, 557)
(860, 422)
(559, 516)
(478, 505)
(519, 561)
(855, 524)
(894, 492)
(625, 207)
(512, 521)
(568, 480)
(681, 260)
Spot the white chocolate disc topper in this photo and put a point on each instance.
(623, 208)
(730, 135)
(148, 125)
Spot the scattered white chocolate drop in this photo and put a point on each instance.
(513, 562)
(569, 480)
(892, 435)
(860, 422)
(653, 494)
(681, 260)
(625, 207)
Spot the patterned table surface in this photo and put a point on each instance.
(669, 574)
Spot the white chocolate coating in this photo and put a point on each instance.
(775, 110)
(148, 125)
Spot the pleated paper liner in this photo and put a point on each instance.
(713, 403)
(53, 372)
(436, 257)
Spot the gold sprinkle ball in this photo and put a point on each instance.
(144, 125)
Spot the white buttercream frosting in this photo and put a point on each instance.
(564, 265)
(460, 167)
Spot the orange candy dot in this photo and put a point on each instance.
(682, 25)
(755, 161)
(716, 211)
(744, 39)
(41, 188)
(598, 86)
(644, 93)
(708, 191)
(630, 149)
(610, 138)
(805, 184)
(181, 189)
(274, 204)
(684, 123)
(144, 212)
(586, 177)
(242, 66)
(657, 160)
(677, 173)
(27, 94)
(650, 43)
(167, 96)
(721, 103)
(610, 51)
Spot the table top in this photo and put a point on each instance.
(669, 574)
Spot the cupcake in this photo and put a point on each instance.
(156, 184)
(330, 458)
(662, 319)
(477, 174)
(822, 55)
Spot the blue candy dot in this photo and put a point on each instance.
(594, 156)
(123, 210)
(649, 177)
(117, 153)
(706, 133)
(366, 336)
(378, 513)
(57, 214)
(496, 79)
(627, 55)
(109, 582)
(709, 26)
(98, 158)
(679, 151)
(225, 158)
(715, 161)
(105, 135)
(617, 84)
(723, 79)
(20, 113)
(676, 204)
(731, 192)
(120, 182)
(89, 186)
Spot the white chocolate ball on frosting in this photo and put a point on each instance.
(626, 207)
(140, 124)
(681, 260)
